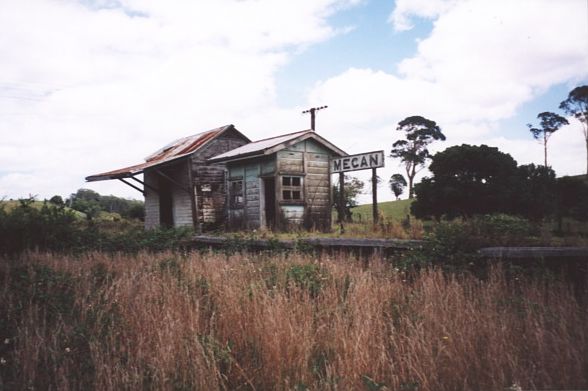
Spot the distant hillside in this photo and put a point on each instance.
(9, 205)
(391, 209)
(584, 177)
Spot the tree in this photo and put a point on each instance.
(353, 187)
(572, 193)
(467, 180)
(91, 203)
(397, 184)
(476, 180)
(576, 104)
(536, 192)
(413, 152)
(85, 201)
(549, 124)
(56, 200)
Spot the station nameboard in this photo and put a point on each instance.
(362, 161)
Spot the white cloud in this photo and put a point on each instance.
(482, 61)
(405, 9)
(95, 85)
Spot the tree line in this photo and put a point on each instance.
(91, 203)
(468, 180)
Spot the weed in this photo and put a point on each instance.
(308, 277)
(217, 322)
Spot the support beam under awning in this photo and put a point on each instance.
(133, 186)
(145, 184)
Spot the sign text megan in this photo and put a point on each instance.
(362, 161)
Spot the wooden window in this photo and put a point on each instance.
(292, 188)
(236, 194)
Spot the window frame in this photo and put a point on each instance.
(234, 192)
(291, 192)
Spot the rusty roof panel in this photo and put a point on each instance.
(184, 145)
(173, 151)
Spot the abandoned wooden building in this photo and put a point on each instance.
(280, 181)
(180, 187)
(220, 179)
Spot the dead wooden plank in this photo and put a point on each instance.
(288, 154)
(318, 164)
(291, 166)
(316, 183)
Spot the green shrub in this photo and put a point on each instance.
(25, 227)
(309, 277)
(56, 228)
(455, 243)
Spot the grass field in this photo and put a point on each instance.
(396, 210)
(280, 322)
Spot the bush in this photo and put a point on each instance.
(572, 193)
(475, 180)
(55, 228)
(455, 243)
(50, 228)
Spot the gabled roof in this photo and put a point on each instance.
(274, 144)
(171, 152)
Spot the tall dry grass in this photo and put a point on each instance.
(289, 322)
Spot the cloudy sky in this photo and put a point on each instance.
(87, 86)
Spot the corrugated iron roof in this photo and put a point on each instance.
(269, 145)
(173, 151)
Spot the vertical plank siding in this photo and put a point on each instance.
(209, 180)
(207, 188)
(318, 199)
(181, 202)
(310, 160)
(252, 195)
(151, 201)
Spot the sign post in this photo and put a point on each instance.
(341, 201)
(375, 196)
(362, 161)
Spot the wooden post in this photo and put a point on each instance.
(375, 196)
(341, 200)
(193, 200)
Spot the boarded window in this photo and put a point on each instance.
(236, 194)
(292, 188)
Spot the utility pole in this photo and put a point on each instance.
(312, 112)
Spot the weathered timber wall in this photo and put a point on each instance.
(317, 189)
(151, 200)
(310, 160)
(182, 204)
(209, 180)
(290, 162)
(251, 183)
(210, 187)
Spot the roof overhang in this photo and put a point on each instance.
(169, 154)
(131, 171)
